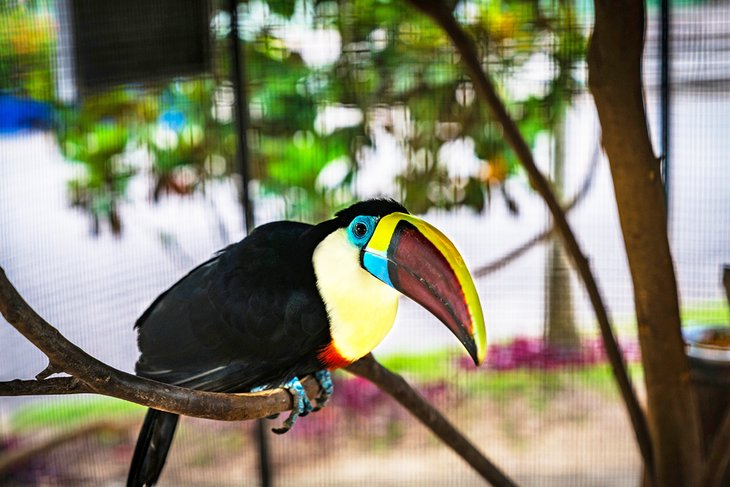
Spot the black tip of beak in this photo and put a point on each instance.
(471, 348)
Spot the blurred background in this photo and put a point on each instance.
(139, 137)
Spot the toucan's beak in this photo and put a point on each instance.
(416, 259)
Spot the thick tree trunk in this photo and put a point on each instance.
(614, 62)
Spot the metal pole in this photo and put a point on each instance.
(262, 442)
(240, 107)
(242, 163)
(665, 100)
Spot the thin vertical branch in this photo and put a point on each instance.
(717, 467)
(394, 385)
(241, 108)
(444, 17)
(718, 459)
(244, 171)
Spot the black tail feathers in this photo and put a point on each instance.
(153, 443)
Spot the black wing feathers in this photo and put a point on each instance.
(249, 316)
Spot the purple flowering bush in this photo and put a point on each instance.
(358, 405)
(536, 354)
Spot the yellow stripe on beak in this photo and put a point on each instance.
(418, 260)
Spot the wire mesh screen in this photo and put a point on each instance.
(107, 196)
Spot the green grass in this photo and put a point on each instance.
(425, 366)
(74, 411)
(535, 384)
(711, 313)
(698, 313)
(431, 366)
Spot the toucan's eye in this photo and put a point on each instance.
(361, 229)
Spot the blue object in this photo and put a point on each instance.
(175, 119)
(303, 405)
(377, 265)
(17, 114)
(324, 378)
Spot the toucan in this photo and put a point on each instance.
(293, 299)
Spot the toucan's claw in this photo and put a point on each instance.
(302, 405)
(324, 378)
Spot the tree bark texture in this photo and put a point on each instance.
(89, 375)
(614, 62)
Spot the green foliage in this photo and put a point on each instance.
(27, 41)
(391, 65)
(391, 58)
(96, 135)
(68, 412)
(178, 126)
(424, 366)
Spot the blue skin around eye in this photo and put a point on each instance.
(369, 222)
(374, 264)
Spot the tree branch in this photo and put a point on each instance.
(614, 77)
(393, 384)
(45, 387)
(718, 458)
(89, 375)
(466, 47)
(520, 250)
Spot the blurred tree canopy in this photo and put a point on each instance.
(333, 88)
(27, 40)
(400, 76)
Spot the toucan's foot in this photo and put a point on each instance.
(302, 406)
(324, 378)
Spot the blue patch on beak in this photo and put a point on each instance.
(377, 266)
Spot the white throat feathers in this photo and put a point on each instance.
(360, 307)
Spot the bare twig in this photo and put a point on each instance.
(521, 250)
(443, 16)
(45, 387)
(514, 254)
(368, 368)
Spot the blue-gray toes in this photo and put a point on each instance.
(301, 403)
(324, 378)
